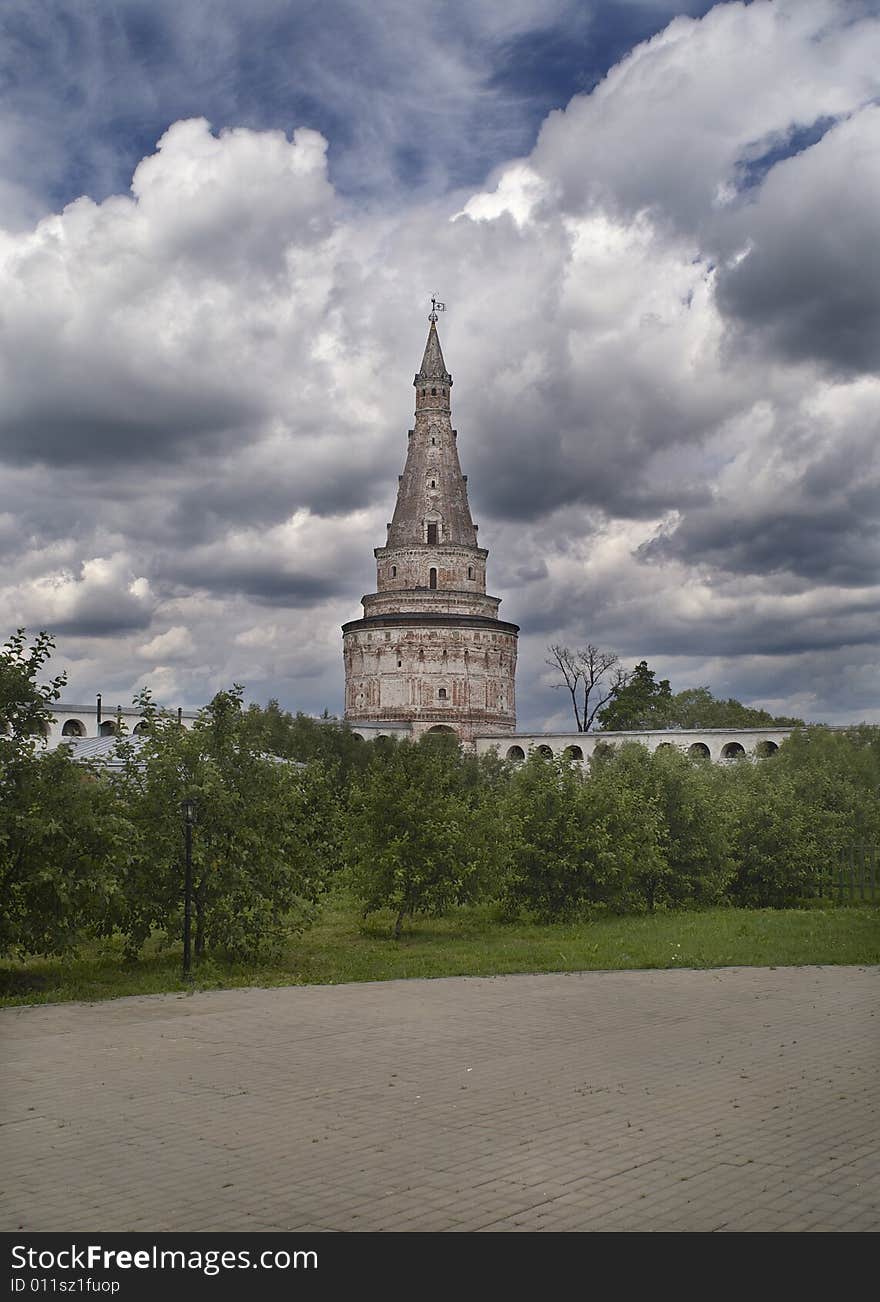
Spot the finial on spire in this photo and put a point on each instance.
(436, 306)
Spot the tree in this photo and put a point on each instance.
(547, 839)
(639, 703)
(300, 737)
(25, 704)
(423, 830)
(59, 828)
(696, 707)
(265, 841)
(780, 842)
(585, 677)
(575, 842)
(696, 864)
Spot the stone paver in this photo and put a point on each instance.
(737, 1099)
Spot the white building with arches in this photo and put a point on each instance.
(71, 722)
(717, 744)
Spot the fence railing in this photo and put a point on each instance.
(855, 875)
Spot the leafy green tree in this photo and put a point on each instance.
(794, 814)
(548, 839)
(779, 842)
(25, 703)
(696, 707)
(265, 841)
(576, 841)
(300, 737)
(697, 862)
(423, 828)
(641, 703)
(59, 827)
(837, 776)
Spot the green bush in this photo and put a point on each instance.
(60, 831)
(792, 815)
(423, 828)
(265, 842)
(573, 841)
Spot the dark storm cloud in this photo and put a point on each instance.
(610, 446)
(771, 632)
(809, 285)
(64, 436)
(590, 469)
(827, 544)
(99, 620)
(812, 510)
(102, 612)
(267, 585)
(638, 618)
(329, 476)
(302, 562)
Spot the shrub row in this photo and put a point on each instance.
(411, 828)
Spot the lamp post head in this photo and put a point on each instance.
(188, 808)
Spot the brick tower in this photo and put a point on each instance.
(431, 650)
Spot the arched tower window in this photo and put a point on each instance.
(432, 574)
(441, 694)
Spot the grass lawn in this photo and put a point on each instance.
(471, 942)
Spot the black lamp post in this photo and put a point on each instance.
(188, 808)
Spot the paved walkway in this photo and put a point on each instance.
(739, 1099)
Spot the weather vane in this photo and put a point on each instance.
(436, 306)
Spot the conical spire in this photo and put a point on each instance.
(433, 366)
(432, 503)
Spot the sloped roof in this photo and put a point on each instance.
(101, 749)
(433, 366)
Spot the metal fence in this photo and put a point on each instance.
(854, 877)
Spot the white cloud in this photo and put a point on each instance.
(102, 596)
(174, 644)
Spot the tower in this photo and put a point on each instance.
(430, 649)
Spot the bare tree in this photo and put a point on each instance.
(584, 676)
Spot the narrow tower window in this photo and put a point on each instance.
(432, 531)
(432, 578)
(470, 571)
(394, 571)
(442, 694)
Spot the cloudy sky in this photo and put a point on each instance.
(655, 225)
